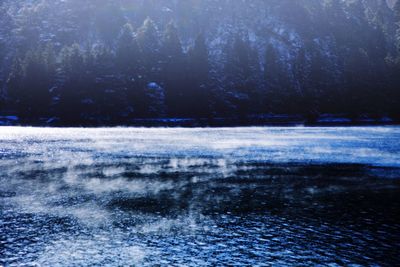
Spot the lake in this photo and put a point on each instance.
(193, 197)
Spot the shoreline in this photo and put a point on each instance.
(325, 120)
(202, 125)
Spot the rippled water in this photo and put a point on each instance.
(242, 196)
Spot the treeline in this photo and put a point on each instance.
(144, 76)
(345, 65)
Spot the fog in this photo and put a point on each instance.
(139, 195)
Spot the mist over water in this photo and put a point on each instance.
(256, 196)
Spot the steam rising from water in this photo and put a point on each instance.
(139, 196)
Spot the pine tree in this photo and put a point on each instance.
(310, 74)
(3, 92)
(15, 86)
(198, 94)
(276, 80)
(127, 53)
(241, 67)
(356, 83)
(295, 102)
(396, 9)
(73, 68)
(315, 86)
(129, 62)
(149, 44)
(110, 89)
(171, 47)
(392, 106)
(173, 70)
(50, 60)
(36, 83)
(199, 55)
(72, 62)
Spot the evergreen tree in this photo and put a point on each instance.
(173, 69)
(241, 69)
(39, 70)
(30, 82)
(15, 86)
(276, 81)
(392, 106)
(149, 45)
(73, 69)
(72, 62)
(129, 62)
(127, 53)
(314, 97)
(295, 103)
(356, 83)
(396, 9)
(310, 73)
(172, 47)
(110, 90)
(198, 94)
(50, 61)
(3, 92)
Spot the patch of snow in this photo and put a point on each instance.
(153, 85)
(330, 118)
(87, 101)
(386, 119)
(52, 120)
(166, 9)
(10, 118)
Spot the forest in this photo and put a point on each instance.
(81, 62)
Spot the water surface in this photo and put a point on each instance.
(223, 196)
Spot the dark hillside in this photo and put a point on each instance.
(81, 62)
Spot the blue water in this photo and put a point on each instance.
(193, 197)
